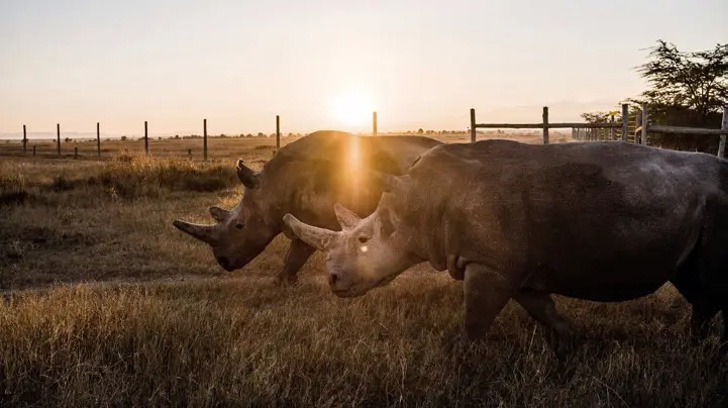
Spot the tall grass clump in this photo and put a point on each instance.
(13, 188)
(142, 177)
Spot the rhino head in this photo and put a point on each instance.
(366, 253)
(242, 233)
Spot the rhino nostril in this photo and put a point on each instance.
(333, 278)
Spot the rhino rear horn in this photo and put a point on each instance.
(247, 175)
(347, 218)
(201, 232)
(219, 214)
(319, 238)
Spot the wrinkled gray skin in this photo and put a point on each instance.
(304, 178)
(596, 221)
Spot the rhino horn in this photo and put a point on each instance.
(319, 238)
(219, 214)
(201, 232)
(247, 175)
(347, 218)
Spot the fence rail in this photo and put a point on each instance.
(599, 131)
(145, 138)
(595, 131)
(546, 125)
(643, 127)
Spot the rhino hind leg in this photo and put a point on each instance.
(486, 293)
(695, 280)
(540, 305)
(297, 255)
(702, 313)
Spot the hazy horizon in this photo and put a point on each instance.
(327, 65)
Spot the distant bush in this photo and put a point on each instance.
(13, 189)
(62, 183)
(140, 177)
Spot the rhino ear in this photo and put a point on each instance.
(386, 222)
(319, 238)
(247, 176)
(347, 218)
(219, 214)
(390, 183)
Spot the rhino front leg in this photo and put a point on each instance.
(542, 308)
(486, 293)
(298, 254)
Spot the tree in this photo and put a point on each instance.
(602, 117)
(685, 89)
(420, 131)
(693, 81)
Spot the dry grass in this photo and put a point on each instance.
(158, 324)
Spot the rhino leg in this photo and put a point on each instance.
(703, 312)
(297, 255)
(486, 293)
(541, 307)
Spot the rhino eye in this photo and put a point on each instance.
(363, 239)
(239, 226)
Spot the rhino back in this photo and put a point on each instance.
(308, 176)
(616, 209)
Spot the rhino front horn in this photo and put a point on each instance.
(201, 232)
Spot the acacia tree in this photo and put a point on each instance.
(684, 89)
(693, 83)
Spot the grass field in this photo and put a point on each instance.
(106, 304)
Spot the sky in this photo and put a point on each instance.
(327, 64)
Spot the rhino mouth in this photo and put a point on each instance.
(361, 288)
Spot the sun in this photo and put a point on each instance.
(353, 109)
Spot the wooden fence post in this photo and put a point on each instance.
(724, 126)
(637, 124)
(58, 138)
(611, 129)
(645, 124)
(75, 152)
(204, 139)
(278, 132)
(33, 150)
(625, 121)
(545, 125)
(573, 133)
(374, 123)
(98, 139)
(146, 138)
(472, 125)
(25, 141)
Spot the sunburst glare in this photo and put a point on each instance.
(353, 109)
